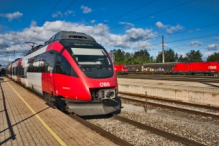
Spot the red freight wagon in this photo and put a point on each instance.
(204, 67)
(197, 67)
(213, 67)
(121, 69)
(181, 68)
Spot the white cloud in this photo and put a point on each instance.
(86, 9)
(213, 47)
(3, 44)
(206, 54)
(141, 45)
(56, 14)
(136, 38)
(168, 28)
(12, 16)
(93, 21)
(33, 23)
(69, 12)
(160, 25)
(216, 38)
(195, 43)
(174, 28)
(182, 53)
(127, 23)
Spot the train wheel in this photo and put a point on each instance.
(61, 105)
(50, 100)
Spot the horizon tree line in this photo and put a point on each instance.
(143, 56)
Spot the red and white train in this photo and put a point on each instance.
(72, 72)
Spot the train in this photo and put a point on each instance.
(72, 72)
(121, 69)
(210, 68)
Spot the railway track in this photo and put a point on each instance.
(145, 101)
(139, 125)
(172, 78)
(99, 130)
(159, 132)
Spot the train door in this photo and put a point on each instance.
(44, 71)
(50, 75)
(26, 65)
(63, 71)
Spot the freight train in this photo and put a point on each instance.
(210, 68)
(72, 72)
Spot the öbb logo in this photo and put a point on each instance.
(105, 84)
(212, 67)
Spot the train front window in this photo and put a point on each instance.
(90, 56)
(94, 62)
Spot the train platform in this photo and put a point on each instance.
(192, 92)
(26, 120)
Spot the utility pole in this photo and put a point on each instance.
(163, 50)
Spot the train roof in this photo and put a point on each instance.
(72, 35)
(15, 60)
(64, 35)
(34, 49)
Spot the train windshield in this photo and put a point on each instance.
(92, 59)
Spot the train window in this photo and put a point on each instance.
(51, 60)
(90, 56)
(21, 71)
(94, 63)
(36, 64)
(47, 62)
(43, 62)
(30, 67)
(62, 66)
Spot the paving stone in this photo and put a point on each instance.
(30, 131)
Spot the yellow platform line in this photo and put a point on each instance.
(41, 120)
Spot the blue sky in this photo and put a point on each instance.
(129, 25)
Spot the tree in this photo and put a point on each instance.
(141, 56)
(194, 56)
(159, 57)
(119, 56)
(169, 55)
(213, 57)
(182, 59)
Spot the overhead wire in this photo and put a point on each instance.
(48, 14)
(52, 20)
(125, 14)
(187, 30)
(200, 37)
(149, 15)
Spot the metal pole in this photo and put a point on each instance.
(163, 50)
